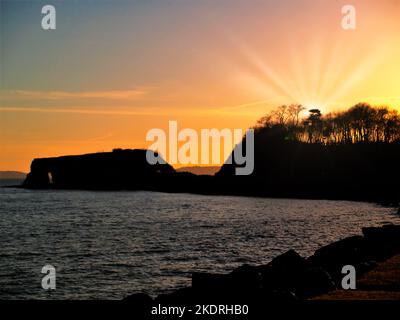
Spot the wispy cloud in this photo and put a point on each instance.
(132, 94)
(80, 111)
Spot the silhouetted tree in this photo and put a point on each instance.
(294, 111)
(362, 123)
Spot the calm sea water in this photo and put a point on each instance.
(107, 245)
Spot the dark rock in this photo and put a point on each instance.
(382, 242)
(364, 267)
(288, 278)
(211, 283)
(182, 296)
(392, 229)
(288, 261)
(246, 278)
(140, 303)
(278, 296)
(283, 272)
(332, 258)
(314, 281)
(291, 273)
(242, 283)
(120, 169)
(373, 233)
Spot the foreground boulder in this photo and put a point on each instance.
(291, 272)
(314, 281)
(224, 287)
(246, 278)
(288, 278)
(141, 303)
(382, 242)
(283, 272)
(349, 251)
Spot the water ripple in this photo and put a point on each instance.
(111, 244)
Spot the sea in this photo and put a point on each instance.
(108, 245)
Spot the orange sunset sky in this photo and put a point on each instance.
(112, 70)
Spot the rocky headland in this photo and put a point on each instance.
(281, 170)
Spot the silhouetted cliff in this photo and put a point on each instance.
(290, 168)
(282, 168)
(120, 169)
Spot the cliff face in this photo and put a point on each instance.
(120, 169)
(364, 171)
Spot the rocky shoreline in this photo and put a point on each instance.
(287, 279)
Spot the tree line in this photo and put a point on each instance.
(361, 123)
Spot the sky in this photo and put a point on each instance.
(113, 70)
